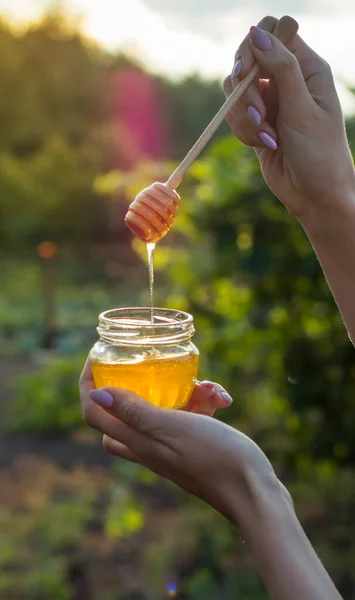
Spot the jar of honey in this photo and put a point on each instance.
(156, 360)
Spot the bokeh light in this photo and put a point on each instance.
(47, 250)
(172, 590)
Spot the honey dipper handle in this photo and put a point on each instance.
(175, 179)
(285, 30)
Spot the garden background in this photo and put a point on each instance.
(81, 131)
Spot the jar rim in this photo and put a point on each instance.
(169, 317)
(132, 325)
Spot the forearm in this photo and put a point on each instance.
(285, 558)
(332, 236)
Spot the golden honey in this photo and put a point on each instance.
(156, 360)
(164, 382)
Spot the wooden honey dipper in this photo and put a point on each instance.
(153, 212)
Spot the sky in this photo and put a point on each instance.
(176, 37)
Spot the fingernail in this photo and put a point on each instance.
(207, 384)
(226, 397)
(268, 141)
(260, 39)
(254, 116)
(102, 398)
(237, 68)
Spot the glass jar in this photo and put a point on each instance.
(157, 361)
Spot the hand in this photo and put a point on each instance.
(223, 467)
(293, 119)
(202, 455)
(206, 397)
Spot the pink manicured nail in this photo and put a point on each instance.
(102, 398)
(254, 116)
(260, 39)
(268, 140)
(226, 397)
(237, 68)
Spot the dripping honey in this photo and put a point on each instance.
(150, 251)
(163, 381)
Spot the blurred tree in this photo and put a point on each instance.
(267, 327)
(67, 114)
(190, 105)
(268, 330)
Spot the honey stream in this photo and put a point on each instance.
(150, 251)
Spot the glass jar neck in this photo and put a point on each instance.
(133, 326)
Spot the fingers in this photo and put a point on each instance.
(97, 415)
(93, 414)
(138, 414)
(247, 120)
(118, 449)
(300, 83)
(279, 63)
(132, 426)
(125, 416)
(249, 114)
(207, 397)
(287, 494)
(317, 74)
(303, 82)
(203, 392)
(86, 381)
(244, 56)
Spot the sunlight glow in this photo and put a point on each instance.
(173, 46)
(131, 25)
(138, 115)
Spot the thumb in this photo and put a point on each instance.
(130, 409)
(280, 64)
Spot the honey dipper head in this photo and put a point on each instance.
(153, 212)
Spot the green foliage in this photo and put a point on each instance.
(47, 401)
(42, 581)
(58, 523)
(62, 126)
(205, 98)
(49, 112)
(124, 516)
(267, 329)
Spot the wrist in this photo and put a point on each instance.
(283, 554)
(260, 497)
(325, 223)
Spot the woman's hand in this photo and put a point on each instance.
(223, 467)
(293, 119)
(207, 397)
(202, 455)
